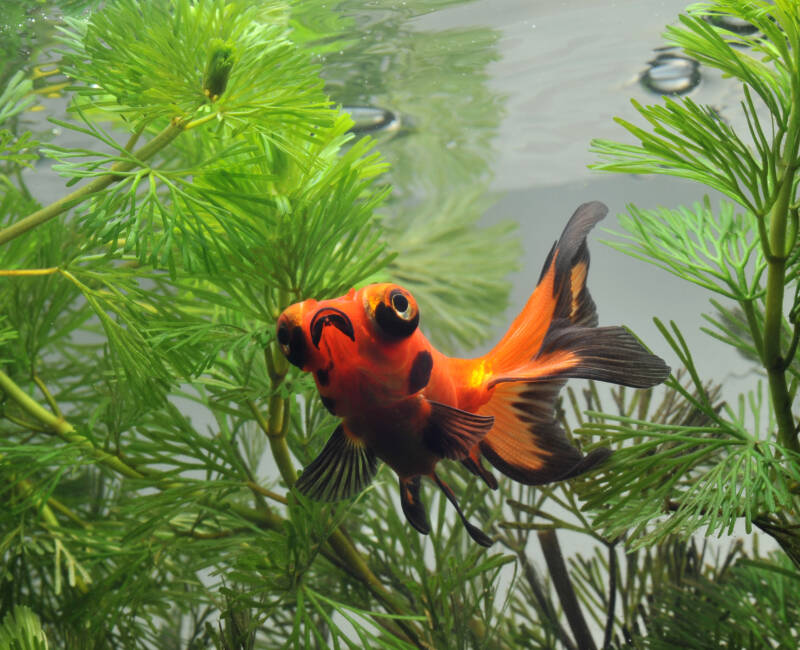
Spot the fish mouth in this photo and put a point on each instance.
(330, 316)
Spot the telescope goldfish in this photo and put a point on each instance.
(402, 401)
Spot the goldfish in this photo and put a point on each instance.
(403, 402)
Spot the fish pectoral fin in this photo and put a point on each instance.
(413, 508)
(452, 433)
(343, 468)
(474, 532)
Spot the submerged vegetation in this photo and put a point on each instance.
(150, 429)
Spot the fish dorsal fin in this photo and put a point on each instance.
(343, 468)
(451, 432)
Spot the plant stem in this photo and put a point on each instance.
(275, 427)
(62, 428)
(566, 594)
(27, 272)
(43, 215)
(612, 594)
(545, 605)
(776, 255)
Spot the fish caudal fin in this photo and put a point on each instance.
(561, 292)
(555, 338)
(609, 354)
(527, 443)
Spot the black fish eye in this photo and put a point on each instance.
(292, 344)
(399, 302)
(283, 334)
(397, 317)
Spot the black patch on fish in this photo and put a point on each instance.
(420, 373)
(298, 354)
(323, 377)
(329, 404)
(283, 334)
(392, 324)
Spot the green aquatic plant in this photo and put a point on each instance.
(150, 429)
(141, 389)
(744, 464)
(695, 464)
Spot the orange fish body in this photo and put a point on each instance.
(404, 402)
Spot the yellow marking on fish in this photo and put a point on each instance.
(577, 280)
(479, 375)
(371, 301)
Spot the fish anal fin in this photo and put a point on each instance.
(452, 433)
(474, 532)
(343, 468)
(413, 508)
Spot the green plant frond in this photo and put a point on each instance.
(16, 97)
(730, 325)
(269, 86)
(692, 141)
(731, 612)
(7, 334)
(710, 474)
(318, 240)
(689, 141)
(718, 251)
(359, 621)
(122, 309)
(460, 292)
(21, 629)
(20, 151)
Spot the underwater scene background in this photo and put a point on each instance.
(165, 520)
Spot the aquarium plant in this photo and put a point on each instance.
(151, 430)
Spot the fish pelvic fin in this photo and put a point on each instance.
(344, 467)
(561, 292)
(413, 508)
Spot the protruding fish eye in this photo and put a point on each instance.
(283, 334)
(399, 302)
(397, 314)
(292, 342)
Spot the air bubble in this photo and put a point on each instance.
(371, 119)
(671, 74)
(733, 24)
